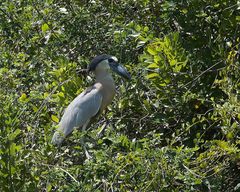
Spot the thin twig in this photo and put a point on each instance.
(68, 174)
(201, 74)
(47, 98)
(56, 167)
(192, 171)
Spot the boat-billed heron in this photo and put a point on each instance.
(93, 100)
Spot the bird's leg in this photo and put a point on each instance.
(106, 122)
(82, 140)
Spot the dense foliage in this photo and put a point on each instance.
(173, 127)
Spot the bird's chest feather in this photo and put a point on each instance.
(107, 88)
(108, 92)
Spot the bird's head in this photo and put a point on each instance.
(106, 62)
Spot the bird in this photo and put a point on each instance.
(92, 101)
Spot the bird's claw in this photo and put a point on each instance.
(88, 156)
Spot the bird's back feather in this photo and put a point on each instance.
(79, 111)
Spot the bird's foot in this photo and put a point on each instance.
(100, 133)
(88, 156)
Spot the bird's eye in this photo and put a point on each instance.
(110, 60)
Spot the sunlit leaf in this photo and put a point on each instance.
(23, 97)
(152, 75)
(14, 134)
(45, 27)
(151, 50)
(55, 118)
(153, 65)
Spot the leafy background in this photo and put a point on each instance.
(174, 127)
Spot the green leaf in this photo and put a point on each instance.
(23, 97)
(152, 75)
(55, 118)
(173, 62)
(151, 50)
(153, 65)
(49, 187)
(146, 29)
(45, 27)
(13, 135)
(61, 94)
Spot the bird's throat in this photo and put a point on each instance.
(107, 89)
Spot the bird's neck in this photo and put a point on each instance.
(107, 88)
(105, 78)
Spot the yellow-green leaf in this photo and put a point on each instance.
(45, 95)
(61, 94)
(35, 109)
(23, 97)
(45, 27)
(238, 116)
(14, 134)
(146, 29)
(152, 75)
(173, 62)
(151, 50)
(153, 65)
(55, 118)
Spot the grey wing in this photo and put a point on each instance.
(79, 111)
